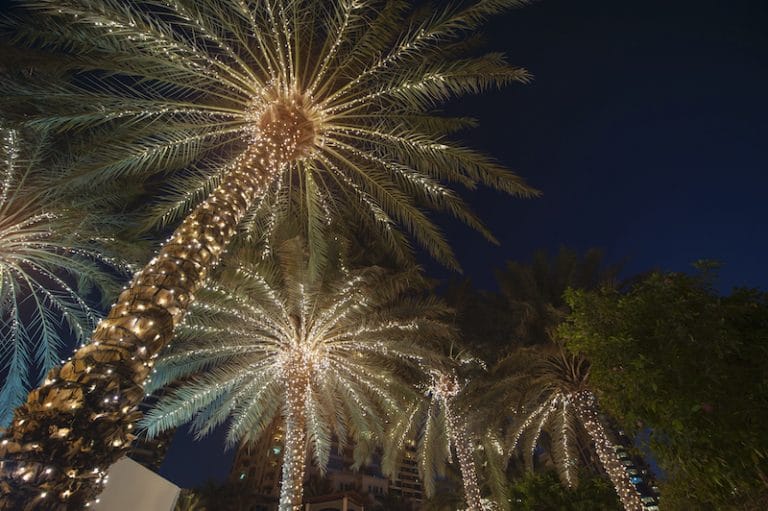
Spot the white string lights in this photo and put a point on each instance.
(320, 354)
(585, 403)
(445, 388)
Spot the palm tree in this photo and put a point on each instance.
(440, 419)
(534, 292)
(48, 269)
(318, 351)
(561, 401)
(238, 101)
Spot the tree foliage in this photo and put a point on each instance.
(672, 355)
(543, 492)
(171, 93)
(54, 268)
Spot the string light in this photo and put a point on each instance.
(445, 388)
(585, 403)
(308, 350)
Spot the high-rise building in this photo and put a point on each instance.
(406, 483)
(257, 467)
(257, 470)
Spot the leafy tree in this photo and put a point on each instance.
(542, 491)
(270, 340)
(673, 356)
(529, 304)
(236, 105)
(482, 317)
(53, 262)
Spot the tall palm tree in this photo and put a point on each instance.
(236, 100)
(319, 352)
(48, 268)
(440, 419)
(561, 401)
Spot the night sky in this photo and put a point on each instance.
(645, 128)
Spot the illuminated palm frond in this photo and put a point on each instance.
(439, 422)
(268, 324)
(548, 405)
(48, 271)
(177, 88)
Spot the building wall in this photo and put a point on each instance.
(132, 487)
(258, 465)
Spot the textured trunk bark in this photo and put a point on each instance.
(586, 407)
(294, 456)
(80, 421)
(464, 452)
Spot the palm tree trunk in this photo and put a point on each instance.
(464, 452)
(586, 406)
(295, 449)
(80, 421)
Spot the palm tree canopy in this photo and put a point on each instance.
(177, 90)
(347, 330)
(544, 383)
(52, 259)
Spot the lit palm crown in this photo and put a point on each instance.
(558, 380)
(268, 325)
(45, 270)
(340, 90)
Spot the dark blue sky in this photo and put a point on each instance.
(646, 130)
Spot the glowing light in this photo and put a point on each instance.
(279, 343)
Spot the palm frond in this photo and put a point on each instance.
(52, 256)
(352, 328)
(170, 90)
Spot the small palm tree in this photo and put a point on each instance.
(233, 103)
(48, 269)
(440, 418)
(561, 401)
(319, 352)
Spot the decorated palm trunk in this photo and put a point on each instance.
(80, 421)
(586, 406)
(464, 452)
(294, 455)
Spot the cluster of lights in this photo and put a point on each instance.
(445, 387)
(585, 403)
(282, 345)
